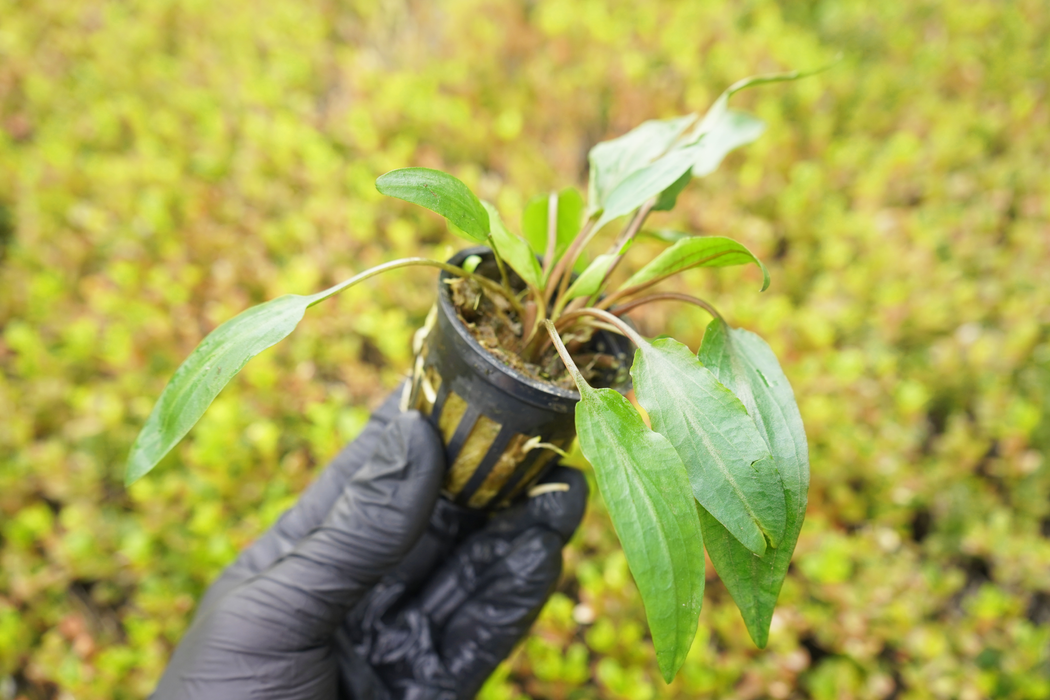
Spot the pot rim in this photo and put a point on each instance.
(445, 299)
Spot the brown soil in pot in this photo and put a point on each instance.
(497, 328)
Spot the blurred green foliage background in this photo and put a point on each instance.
(165, 164)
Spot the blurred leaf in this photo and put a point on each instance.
(729, 465)
(590, 280)
(647, 182)
(696, 251)
(615, 160)
(746, 365)
(644, 485)
(627, 171)
(730, 130)
(570, 217)
(669, 197)
(441, 193)
(513, 250)
(664, 234)
(471, 263)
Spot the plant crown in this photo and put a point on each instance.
(724, 464)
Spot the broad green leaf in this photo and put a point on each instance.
(570, 216)
(746, 365)
(732, 130)
(649, 181)
(614, 161)
(206, 371)
(644, 484)
(669, 197)
(590, 280)
(441, 193)
(513, 250)
(729, 465)
(698, 251)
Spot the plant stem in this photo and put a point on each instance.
(666, 296)
(502, 268)
(628, 234)
(566, 358)
(552, 234)
(485, 282)
(608, 318)
(563, 270)
(533, 332)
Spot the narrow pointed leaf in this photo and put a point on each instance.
(614, 161)
(570, 217)
(514, 251)
(729, 465)
(647, 182)
(441, 193)
(745, 363)
(219, 357)
(590, 280)
(645, 488)
(697, 251)
(206, 371)
(719, 111)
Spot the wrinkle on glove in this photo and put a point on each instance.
(269, 634)
(443, 642)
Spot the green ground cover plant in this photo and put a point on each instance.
(165, 166)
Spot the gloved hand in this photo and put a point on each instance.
(373, 587)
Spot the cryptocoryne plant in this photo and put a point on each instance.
(720, 459)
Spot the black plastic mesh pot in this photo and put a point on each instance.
(491, 416)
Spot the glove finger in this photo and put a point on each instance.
(477, 606)
(311, 508)
(510, 594)
(557, 511)
(382, 510)
(557, 502)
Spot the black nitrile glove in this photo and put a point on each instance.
(373, 587)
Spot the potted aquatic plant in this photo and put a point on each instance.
(522, 354)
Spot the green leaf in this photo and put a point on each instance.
(669, 197)
(731, 130)
(222, 354)
(206, 371)
(534, 221)
(698, 251)
(614, 161)
(645, 488)
(746, 364)
(441, 193)
(649, 181)
(666, 235)
(471, 263)
(590, 280)
(513, 250)
(729, 465)
(721, 130)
